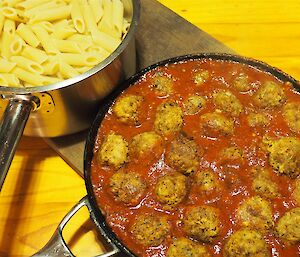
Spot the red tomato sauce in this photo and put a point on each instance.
(235, 179)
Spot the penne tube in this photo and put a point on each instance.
(27, 35)
(6, 66)
(89, 19)
(107, 42)
(8, 79)
(1, 22)
(34, 54)
(12, 13)
(12, 3)
(63, 32)
(9, 26)
(48, 26)
(77, 17)
(45, 6)
(51, 66)
(16, 45)
(117, 17)
(66, 46)
(45, 40)
(62, 12)
(50, 80)
(7, 38)
(26, 76)
(105, 25)
(99, 51)
(86, 59)
(97, 8)
(27, 64)
(67, 71)
(83, 69)
(28, 4)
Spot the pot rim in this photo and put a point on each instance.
(99, 216)
(106, 62)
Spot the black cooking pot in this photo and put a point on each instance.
(57, 247)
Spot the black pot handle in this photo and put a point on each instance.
(11, 128)
(57, 247)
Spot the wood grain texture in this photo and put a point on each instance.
(40, 187)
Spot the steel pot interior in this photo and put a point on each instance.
(99, 217)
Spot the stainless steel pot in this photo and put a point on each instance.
(69, 106)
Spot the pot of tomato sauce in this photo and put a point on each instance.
(197, 155)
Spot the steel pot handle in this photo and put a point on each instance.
(11, 128)
(57, 247)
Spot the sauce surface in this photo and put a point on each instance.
(235, 178)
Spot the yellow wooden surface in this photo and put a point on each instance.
(40, 187)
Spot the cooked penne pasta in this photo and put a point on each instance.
(51, 66)
(97, 8)
(66, 46)
(46, 41)
(34, 54)
(16, 45)
(56, 13)
(6, 66)
(7, 38)
(77, 17)
(27, 64)
(84, 59)
(67, 71)
(27, 35)
(117, 17)
(44, 38)
(107, 42)
(9, 80)
(1, 22)
(26, 76)
(28, 4)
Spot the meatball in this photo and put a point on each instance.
(201, 77)
(288, 226)
(150, 229)
(232, 154)
(246, 243)
(127, 187)
(258, 120)
(126, 109)
(171, 189)
(194, 104)
(241, 82)
(215, 124)
(256, 212)
(202, 223)
(169, 118)
(291, 114)
(113, 151)
(162, 84)
(296, 192)
(263, 185)
(206, 180)
(183, 154)
(144, 143)
(284, 156)
(269, 95)
(227, 102)
(183, 247)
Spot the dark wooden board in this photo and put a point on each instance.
(161, 34)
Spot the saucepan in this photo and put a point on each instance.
(68, 106)
(57, 246)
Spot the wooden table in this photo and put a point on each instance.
(40, 187)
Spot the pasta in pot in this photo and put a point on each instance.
(47, 41)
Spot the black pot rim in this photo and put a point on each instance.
(98, 217)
